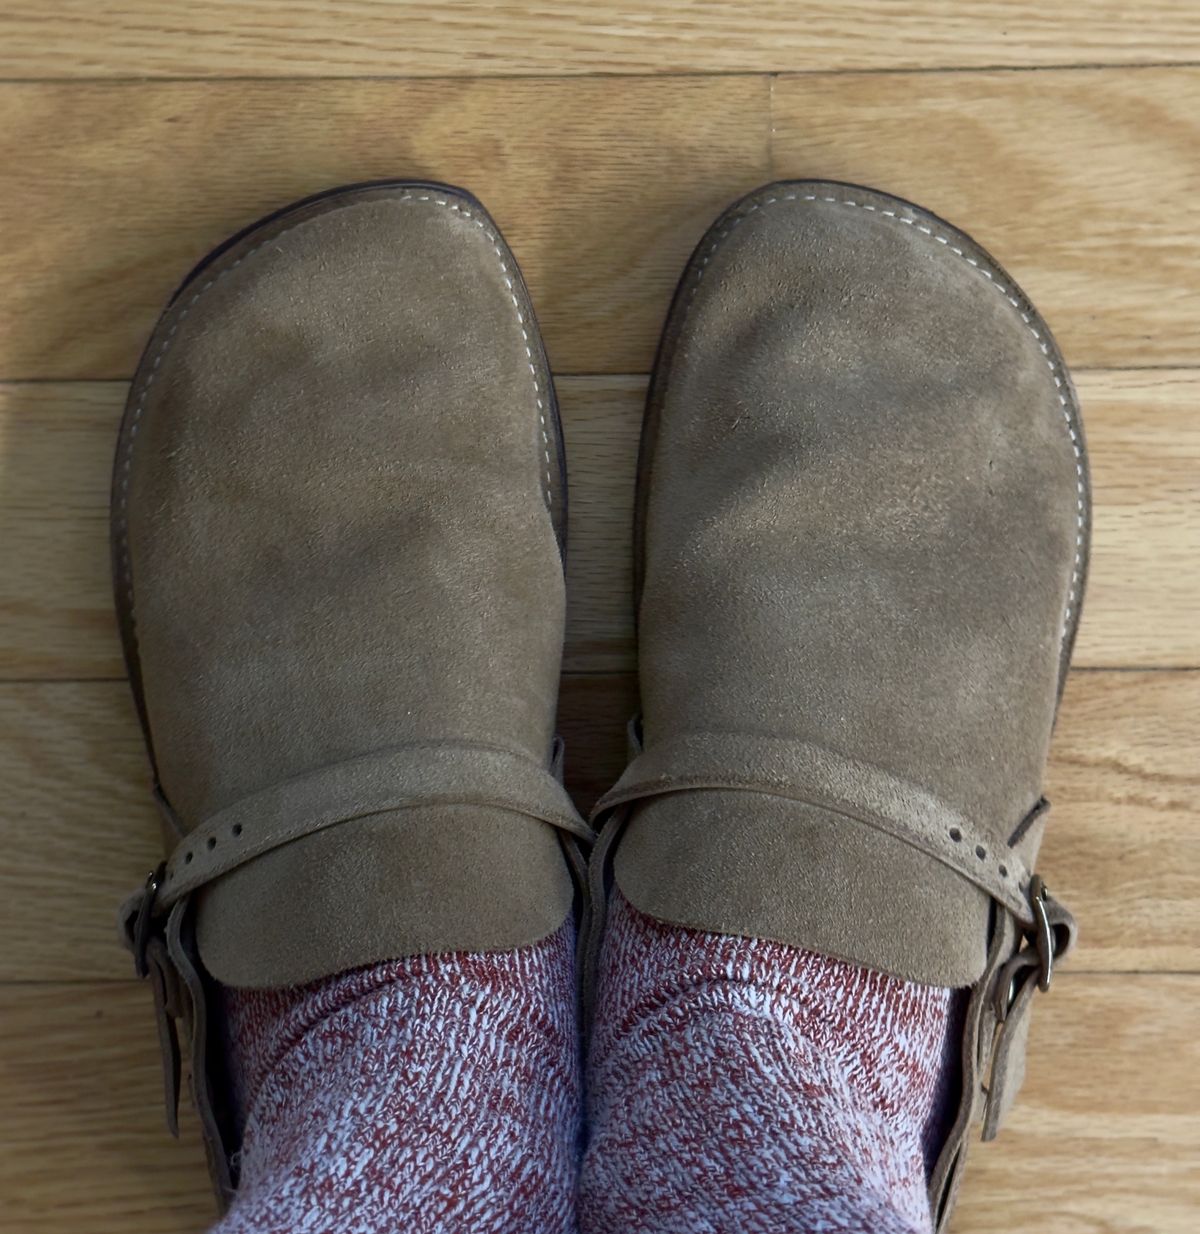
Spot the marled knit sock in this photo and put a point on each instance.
(436, 1093)
(742, 1085)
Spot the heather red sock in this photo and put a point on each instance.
(742, 1085)
(436, 1093)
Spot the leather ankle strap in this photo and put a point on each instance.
(414, 775)
(830, 781)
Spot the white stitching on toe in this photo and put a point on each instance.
(993, 277)
(140, 402)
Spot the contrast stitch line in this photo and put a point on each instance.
(521, 322)
(997, 281)
(152, 373)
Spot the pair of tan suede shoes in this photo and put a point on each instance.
(339, 522)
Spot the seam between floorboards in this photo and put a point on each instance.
(131, 79)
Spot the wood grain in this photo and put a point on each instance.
(1123, 849)
(1086, 185)
(370, 37)
(1143, 598)
(1091, 1146)
(1105, 1138)
(56, 610)
(602, 422)
(83, 1144)
(56, 449)
(77, 798)
(602, 186)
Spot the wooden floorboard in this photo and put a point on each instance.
(1105, 1140)
(234, 38)
(1085, 185)
(55, 605)
(602, 186)
(83, 1144)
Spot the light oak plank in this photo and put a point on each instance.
(358, 37)
(1105, 1137)
(1143, 593)
(112, 191)
(78, 828)
(83, 1144)
(1123, 847)
(1084, 184)
(56, 450)
(56, 443)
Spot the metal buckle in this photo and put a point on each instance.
(1039, 956)
(1043, 934)
(145, 919)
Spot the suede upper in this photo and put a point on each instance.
(862, 540)
(341, 586)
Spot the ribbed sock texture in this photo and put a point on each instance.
(738, 1085)
(735, 1085)
(435, 1093)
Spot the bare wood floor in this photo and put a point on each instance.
(604, 138)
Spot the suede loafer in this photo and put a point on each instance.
(339, 513)
(861, 542)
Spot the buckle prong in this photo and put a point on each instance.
(1035, 957)
(145, 915)
(1043, 934)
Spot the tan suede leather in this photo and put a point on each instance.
(339, 511)
(862, 539)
